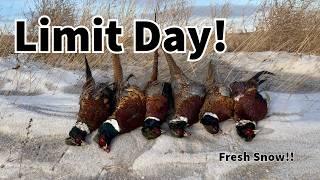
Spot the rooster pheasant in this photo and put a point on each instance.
(249, 106)
(188, 99)
(129, 112)
(158, 95)
(218, 105)
(96, 105)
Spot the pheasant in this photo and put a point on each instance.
(249, 105)
(158, 95)
(96, 105)
(188, 99)
(218, 105)
(129, 112)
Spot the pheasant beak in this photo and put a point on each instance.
(186, 133)
(249, 133)
(180, 133)
(73, 142)
(157, 131)
(106, 148)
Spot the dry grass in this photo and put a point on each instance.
(123, 10)
(6, 44)
(286, 25)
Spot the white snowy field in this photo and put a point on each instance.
(49, 96)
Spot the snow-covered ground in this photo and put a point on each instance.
(49, 96)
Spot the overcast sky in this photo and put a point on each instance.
(12, 9)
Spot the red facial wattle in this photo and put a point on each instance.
(157, 131)
(102, 142)
(249, 133)
(78, 141)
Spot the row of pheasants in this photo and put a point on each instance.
(122, 107)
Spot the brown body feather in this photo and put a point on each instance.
(96, 101)
(130, 110)
(94, 112)
(250, 106)
(189, 108)
(188, 95)
(96, 105)
(218, 104)
(239, 87)
(157, 104)
(217, 101)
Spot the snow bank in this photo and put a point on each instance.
(50, 97)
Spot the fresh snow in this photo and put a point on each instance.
(50, 97)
